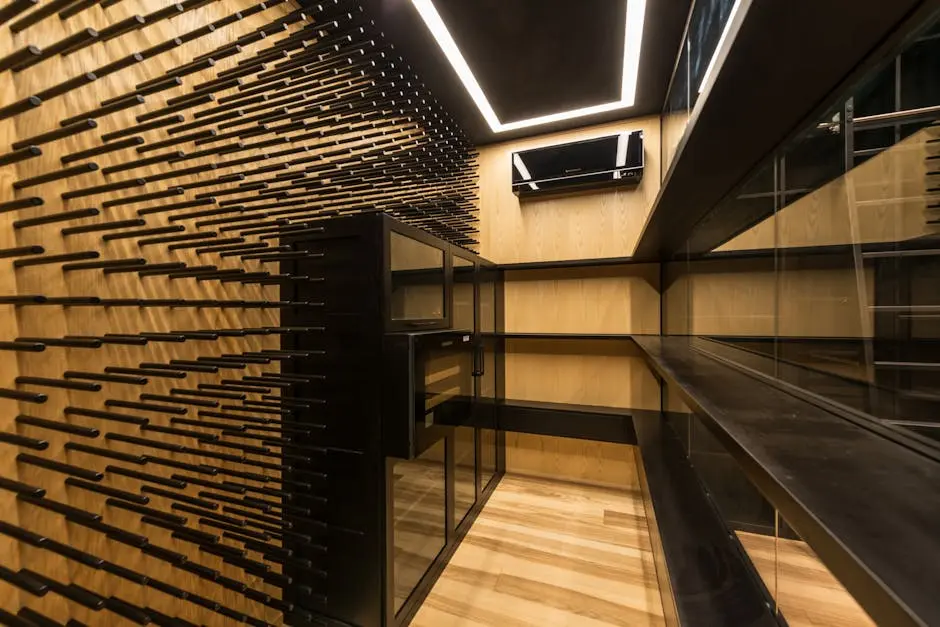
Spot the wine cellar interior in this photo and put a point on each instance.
(364, 313)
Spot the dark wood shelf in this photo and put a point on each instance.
(867, 505)
(583, 422)
(601, 262)
(562, 336)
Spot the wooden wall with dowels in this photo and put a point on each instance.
(156, 158)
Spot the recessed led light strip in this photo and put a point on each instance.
(636, 16)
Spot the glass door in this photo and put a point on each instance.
(464, 434)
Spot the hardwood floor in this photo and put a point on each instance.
(550, 554)
(807, 593)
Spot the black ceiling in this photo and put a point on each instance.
(536, 57)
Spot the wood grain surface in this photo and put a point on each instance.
(807, 594)
(550, 553)
(606, 223)
(214, 162)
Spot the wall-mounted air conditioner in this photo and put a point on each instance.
(605, 161)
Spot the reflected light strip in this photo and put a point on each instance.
(524, 171)
(721, 43)
(633, 40)
(621, 153)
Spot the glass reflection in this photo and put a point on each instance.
(417, 280)
(464, 304)
(419, 517)
(465, 472)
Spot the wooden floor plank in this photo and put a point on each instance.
(550, 553)
(807, 593)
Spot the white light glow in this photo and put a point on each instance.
(436, 25)
(524, 171)
(720, 47)
(621, 152)
(633, 39)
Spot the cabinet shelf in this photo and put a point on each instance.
(564, 336)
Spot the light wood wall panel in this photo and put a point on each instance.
(58, 322)
(605, 223)
(579, 461)
(616, 299)
(583, 372)
(750, 297)
(673, 129)
(230, 20)
(882, 200)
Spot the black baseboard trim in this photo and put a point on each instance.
(584, 422)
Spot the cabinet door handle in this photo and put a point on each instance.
(479, 362)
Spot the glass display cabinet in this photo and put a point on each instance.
(404, 364)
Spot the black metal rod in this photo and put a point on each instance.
(106, 415)
(147, 372)
(76, 8)
(179, 106)
(139, 232)
(163, 409)
(19, 57)
(58, 383)
(169, 11)
(39, 14)
(106, 453)
(102, 226)
(129, 200)
(20, 155)
(66, 86)
(114, 493)
(63, 342)
(14, 8)
(98, 265)
(175, 238)
(124, 26)
(49, 259)
(176, 140)
(139, 163)
(76, 170)
(176, 205)
(140, 128)
(68, 131)
(106, 378)
(64, 46)
(132, 100)
(177, 174)
(103, 149)
(68, 469)
(19, 107)
(22, 440)
(160, 49)
(101, 189)
(144, 476)
(64, 427)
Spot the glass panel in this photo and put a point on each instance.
(708, 21)
(465, 472)
(417, 280)
(464, 305)
(419, 503)
(486, 383)
(677, 110)
(822, 270)
(807, 593)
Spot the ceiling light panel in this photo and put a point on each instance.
(633, 39)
